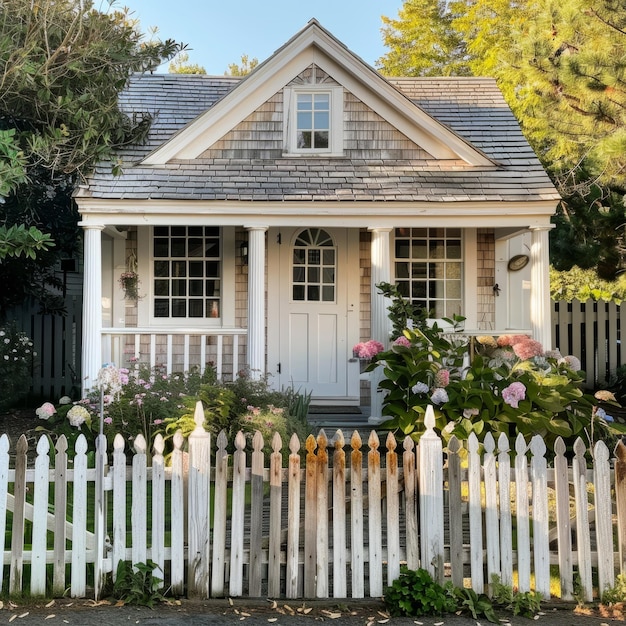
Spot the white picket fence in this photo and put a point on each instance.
(333, 521)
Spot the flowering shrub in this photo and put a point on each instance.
(510, 386)
(148, 401)
(16, 363)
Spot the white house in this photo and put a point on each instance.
(261, 212)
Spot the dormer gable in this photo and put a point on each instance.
(311, 77)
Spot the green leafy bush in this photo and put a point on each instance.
(137, 584)
(415, 593)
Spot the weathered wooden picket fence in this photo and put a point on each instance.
(332, 522)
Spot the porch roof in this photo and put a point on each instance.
(471, 107)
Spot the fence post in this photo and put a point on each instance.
(321, 538)
(431, 497)
(199, 492)
(356, 516)
(276, 496)
(393, 509)
(310, 521)
(340, 587)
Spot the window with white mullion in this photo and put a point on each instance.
(187, 272)
(428, 268)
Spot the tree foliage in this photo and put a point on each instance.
(62, 66)
(562, 68)
(245, 67)
(181, 65)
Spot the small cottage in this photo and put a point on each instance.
(250, 229)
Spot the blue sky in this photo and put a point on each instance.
(220, 31)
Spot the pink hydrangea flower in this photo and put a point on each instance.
(442, 378)
(514, 394)
(46, 411)
(402, 341)
(367, 349)
(527, 349)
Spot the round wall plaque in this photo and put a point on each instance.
(518, 262)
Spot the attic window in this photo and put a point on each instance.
(314, 120)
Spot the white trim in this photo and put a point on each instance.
(315, 45)
(290, 126)
(145, 316)
(353, 214)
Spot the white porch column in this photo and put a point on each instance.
(92, 305)
(256, 301)
(540, 312)
(380, 325)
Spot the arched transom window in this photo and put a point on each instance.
(314, 266)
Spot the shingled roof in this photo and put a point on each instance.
(473, 108)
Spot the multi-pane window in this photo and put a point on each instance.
(428, 268)
(314, 267)
(313, 121)
(187, 268)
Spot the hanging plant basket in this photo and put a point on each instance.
(129, 282)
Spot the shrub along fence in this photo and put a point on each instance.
(327, 522)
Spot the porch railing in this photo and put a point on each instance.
(177, 349)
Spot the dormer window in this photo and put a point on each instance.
(314, 120)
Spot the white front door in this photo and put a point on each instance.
(313, 311)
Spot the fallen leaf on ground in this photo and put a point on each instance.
(50, 616)
(51, 603)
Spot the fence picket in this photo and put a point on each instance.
(40, 518)
(475, 514)
(492, 523)
(455, 511)
(506, 532)
(522, 517)
(583, 543)
(409, 467)
(219, 517)
(393, 510)
(100, 515)
(235, 581)
(293, 519)
(256, 516)
(340, 579)
(321, 535)
(310, 521)
(17, 531)
(60, 514)
(541, 543)
(564, 530)
(139, 506)
(374, 517)
(119, 503)
(276, 505)
(604, 522)
(177, 513)
(356, 516)
(79, 508)
(158, 507)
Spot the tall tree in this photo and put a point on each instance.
(423, 42)
(562, 68)
(62, 66)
